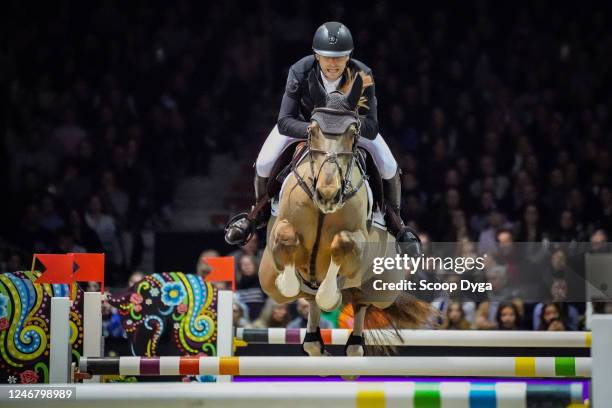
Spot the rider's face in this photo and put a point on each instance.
(332, 67)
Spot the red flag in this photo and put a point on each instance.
(222, 269)
(90, 268)
(58, 268)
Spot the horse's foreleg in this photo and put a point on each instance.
(285, 242)
(313, 342)
(345, 253)
(355, 343)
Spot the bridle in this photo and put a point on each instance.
(347, 190)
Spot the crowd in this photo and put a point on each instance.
(499, 116)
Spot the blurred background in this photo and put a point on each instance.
(132, 127)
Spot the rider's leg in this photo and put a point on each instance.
(407, 239)
(239, 229)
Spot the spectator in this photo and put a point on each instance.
(50, 220)
(508, 317)
(558, 295)
(530, 229)
(248, 289)
(83, 235)
(552, 318)
(303, 308)
(239, 313)
(273, 315)
(105, 227)
(454, 318)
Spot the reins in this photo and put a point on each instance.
(347, 190)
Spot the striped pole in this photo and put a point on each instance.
(440, 338)
(341, 395)
(542, 367)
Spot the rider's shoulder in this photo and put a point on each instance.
(360, 66)
(304, 65)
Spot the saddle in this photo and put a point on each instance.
(293, 154)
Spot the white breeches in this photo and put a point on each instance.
(276, 143)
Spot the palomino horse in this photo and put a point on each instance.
(320, 245)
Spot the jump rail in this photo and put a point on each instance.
(440, 338)
(297, 395)
(542, 367)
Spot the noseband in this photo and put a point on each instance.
(347, 190)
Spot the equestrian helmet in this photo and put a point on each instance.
(332, 39)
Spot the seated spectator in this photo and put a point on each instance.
(487, 311)
(83, 235)
(248, 288)
(50, 220)
(303, 308)
(552, 318)
(66, 244)
(508, 317)
(454, 318)
(240, 313)
(530, 229)
(250, 248)
(111, 321)
(273, 315)
(444, 300)
(202, 267)
(558, 295)
(105, 227)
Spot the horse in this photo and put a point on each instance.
(321, 246)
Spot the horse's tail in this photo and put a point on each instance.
(407, 312)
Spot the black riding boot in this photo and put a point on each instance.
(407, 240)
(241, 228)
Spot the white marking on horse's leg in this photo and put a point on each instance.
(313, 348)
(287, 282)
(328, 296)
(314, 316)
(357, 349)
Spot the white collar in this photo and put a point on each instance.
(330, 86)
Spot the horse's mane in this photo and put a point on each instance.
(348, 83)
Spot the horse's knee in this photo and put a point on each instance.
(286, 235)
(285, 242)
(346, 251)
(342, 246)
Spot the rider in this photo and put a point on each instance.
(332, 45)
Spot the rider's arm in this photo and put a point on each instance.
(289, 123)
(369, 117)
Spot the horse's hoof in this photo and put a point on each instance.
(288, 283)
(313, 345)
(408, 243)
(355, 346)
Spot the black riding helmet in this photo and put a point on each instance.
(332, 39)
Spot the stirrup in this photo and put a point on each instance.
(248, 234)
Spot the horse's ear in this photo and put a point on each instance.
(317, 92)
(355, 94)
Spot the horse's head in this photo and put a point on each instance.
(333, 132)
